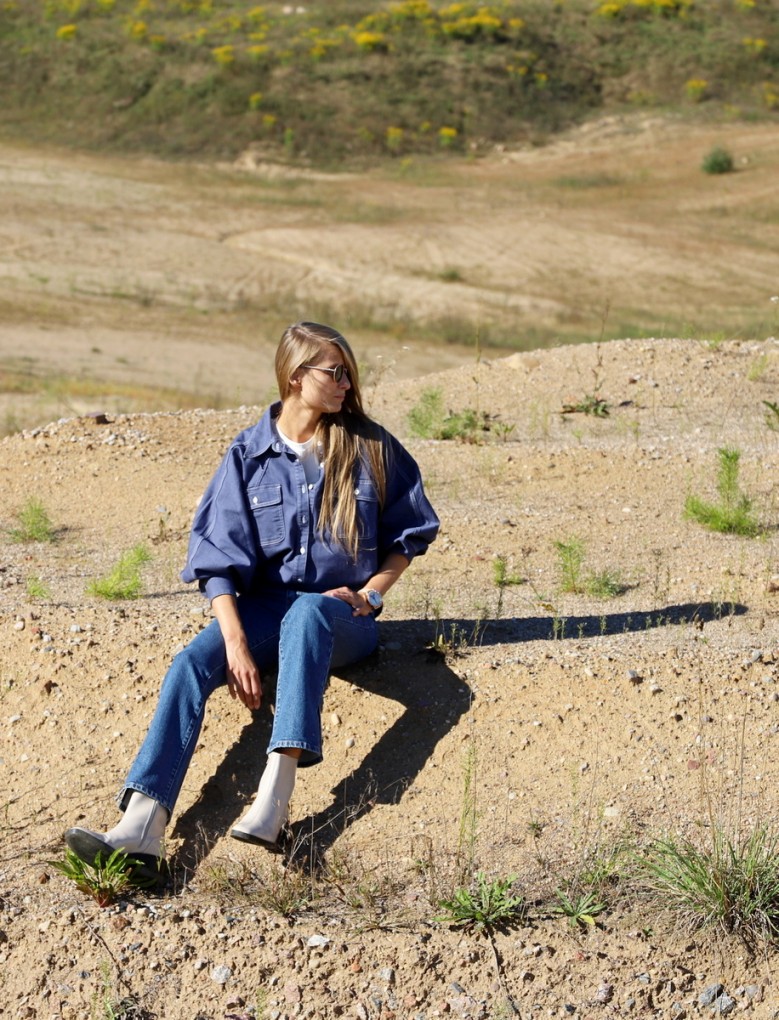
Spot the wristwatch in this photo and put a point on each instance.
(372, 597)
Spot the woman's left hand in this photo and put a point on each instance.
(358, 602)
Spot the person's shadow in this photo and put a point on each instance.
(410, 666)
(407, 668)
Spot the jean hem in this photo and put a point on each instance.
(129, 788)
(310, 756)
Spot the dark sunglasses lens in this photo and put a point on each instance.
(338, 374)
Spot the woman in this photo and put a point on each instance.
(313, 515)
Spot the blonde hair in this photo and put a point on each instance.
(349, 437)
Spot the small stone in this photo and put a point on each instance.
(335, 719)
(605, 993)
(724, 1005)
(221, 974)
(292, 993)
(317, 941)
(634, 677)
(709, 995)
(645, 979)
(19, 625)
(387, 974)
(349, 742)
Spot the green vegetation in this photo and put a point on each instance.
(351, 79)
(33, 523)
(732, 884)
(428, 420)
(717, 161)
(104, 881)
(581, 908)
(37, 588)
(124, 581)
(733, 514)
(772, 415)
(489, 905)
(601, 584)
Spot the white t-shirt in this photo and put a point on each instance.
(308, 453)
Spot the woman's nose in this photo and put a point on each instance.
(345, 382)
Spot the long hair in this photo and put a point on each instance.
(349, 437)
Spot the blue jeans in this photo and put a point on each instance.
(303, 634)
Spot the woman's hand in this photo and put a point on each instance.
(358, 602)
(243, 676)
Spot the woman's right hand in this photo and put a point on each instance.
(243, 676)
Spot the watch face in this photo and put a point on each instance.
(374, 599)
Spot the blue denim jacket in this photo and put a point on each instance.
(256, 525)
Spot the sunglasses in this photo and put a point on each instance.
(337, 373)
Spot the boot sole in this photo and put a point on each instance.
(142, 869)
(247, 837)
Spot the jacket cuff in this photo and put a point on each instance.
(218, 586)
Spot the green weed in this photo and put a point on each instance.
(124, 581)
(33, 523)
(733, 514)
(570, 556)
(581, 908)
(590, 404)
(489, 905)
(772, 415)
(428, 420)
(37, 588)
(105, 881)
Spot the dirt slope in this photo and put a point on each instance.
(580, 723)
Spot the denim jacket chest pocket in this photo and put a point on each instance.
(367, 511)
(267, 505)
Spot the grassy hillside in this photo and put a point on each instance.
(356, 80)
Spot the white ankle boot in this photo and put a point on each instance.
(141, 828)
(139, 834)
(266, 817)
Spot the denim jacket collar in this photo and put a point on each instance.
(265, 435)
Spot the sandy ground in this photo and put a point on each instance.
(581, 724)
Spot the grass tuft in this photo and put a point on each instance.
(733, 514)
(124, 581)
(33, 523)
(732, 885)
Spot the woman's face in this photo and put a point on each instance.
(318, 389)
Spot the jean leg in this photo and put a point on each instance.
(163, 759)
(318, 631)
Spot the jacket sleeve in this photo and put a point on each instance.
(408, 522)
(222, 555)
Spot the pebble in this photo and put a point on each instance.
(19, 625)
(387, 974)
(724, 1005)
(709, 995)
(349, 742)
(605, 993)
(221, 974)
(317, 941)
